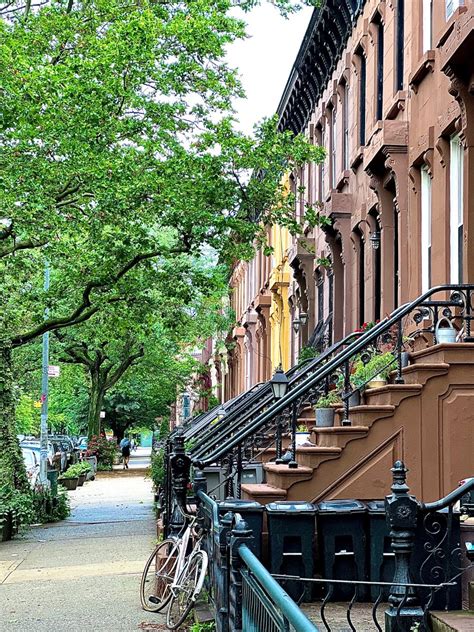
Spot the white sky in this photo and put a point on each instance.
(265, 60)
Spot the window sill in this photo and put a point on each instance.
(426, 66)
(450, 25)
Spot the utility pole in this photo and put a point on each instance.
(44, 396)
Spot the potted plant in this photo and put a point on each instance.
(69, 479)
(325, 409)
(302, 435)
(375, 372)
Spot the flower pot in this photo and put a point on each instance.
(324, 417)
(302, 437)
(405, 359)
(354, 398)
(82, 480)
(69, 483)
(375, 383)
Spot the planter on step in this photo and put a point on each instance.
(69, 483)
(377, 382)
(324, 417)
(302, 437)
(354, 398)
(405, 359)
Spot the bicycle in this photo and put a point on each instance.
(173, 579)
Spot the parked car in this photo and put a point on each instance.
(31, 459)
(68, 446)
(82, 444)
(57, 458)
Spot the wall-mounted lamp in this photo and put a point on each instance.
(303, 318)
(296, 325)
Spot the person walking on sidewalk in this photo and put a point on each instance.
(125, 447)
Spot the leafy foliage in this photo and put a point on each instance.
(103, 449)
(48, 508)
(120, 163)
(17, 504)
(157, 468)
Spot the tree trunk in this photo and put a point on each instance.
(12, 467)
(96, 402)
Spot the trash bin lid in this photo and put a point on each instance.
(375, 506)
(237, 504)
(340, 507)
(286, 507)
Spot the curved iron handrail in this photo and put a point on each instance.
(201, 422)
(265, 396)
(332, 365)
(451, 498)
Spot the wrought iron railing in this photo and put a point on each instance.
(244, 594)
(333, 371)
(249, 409)
(247, 597)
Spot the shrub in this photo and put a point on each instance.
(307, 353)
(48, 508)
(17, 504)
(157, 468)
(104, 450)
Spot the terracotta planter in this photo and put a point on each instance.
(324, 417)
(69, 483)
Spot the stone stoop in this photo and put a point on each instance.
(393, 421)
(455, 621)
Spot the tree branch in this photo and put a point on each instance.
(123, 367)
(22, 245)
(85, 310)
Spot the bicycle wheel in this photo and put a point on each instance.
(187, 589)
(158, 575)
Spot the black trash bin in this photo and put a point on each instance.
(252, 512)
(342, 542)
(291, 529)
(53, 481)
(381, 557)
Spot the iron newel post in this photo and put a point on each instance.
(402, 512)
(180, 465)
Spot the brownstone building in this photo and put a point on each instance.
(386, 86)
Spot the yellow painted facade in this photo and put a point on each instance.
(280, 322)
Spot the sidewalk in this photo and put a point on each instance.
(84, 573)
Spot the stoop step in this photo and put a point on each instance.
(455, 621)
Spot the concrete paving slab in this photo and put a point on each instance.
(83, 574)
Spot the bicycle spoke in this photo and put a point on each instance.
(158, 575)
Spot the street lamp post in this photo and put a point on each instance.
(44, 396)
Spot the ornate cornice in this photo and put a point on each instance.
(323, 44)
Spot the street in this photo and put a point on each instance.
(83, 573)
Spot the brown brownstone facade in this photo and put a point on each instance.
(387, 87)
